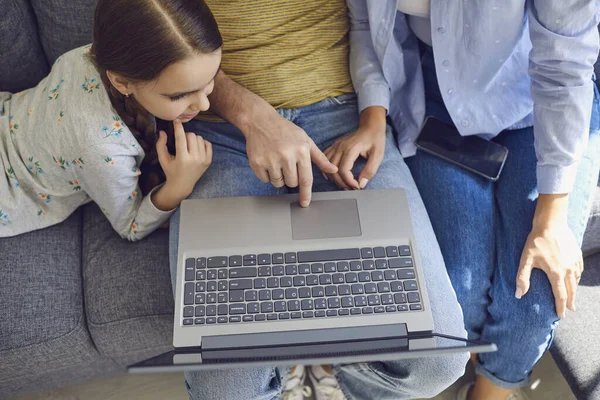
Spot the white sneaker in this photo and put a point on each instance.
(463, 393)
(295, 389)
(325, 384)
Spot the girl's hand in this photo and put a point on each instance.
(552, 247)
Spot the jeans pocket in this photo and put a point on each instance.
(343, 99)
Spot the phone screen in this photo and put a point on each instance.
(471, 152)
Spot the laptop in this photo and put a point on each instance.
(262, 281)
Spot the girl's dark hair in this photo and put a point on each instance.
(138, 39)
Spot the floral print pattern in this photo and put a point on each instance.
(13, 127)
(89, 85)
(134, 226)
(61, 162)
(34, 166)
(132, 196)
(45, 197)
(41, 213)
(116, 129)
(4, 220)
(12, 177)
(54, 93)
(76, 185)
(60, 117)
(78, 162)
(109, 161)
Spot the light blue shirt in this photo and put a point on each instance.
(501, 64)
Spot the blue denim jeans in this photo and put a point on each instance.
(230, 175)
(482, 227)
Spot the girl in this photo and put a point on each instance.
(90, 130)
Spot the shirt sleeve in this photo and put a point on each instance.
(564, 35)
(369, 81)
(108, 173)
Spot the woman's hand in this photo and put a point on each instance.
(368, 141)
(552, 247)
(183, 170)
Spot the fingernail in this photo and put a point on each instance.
(304, 203)
(363, 182)
(178, 121)
(518, 292)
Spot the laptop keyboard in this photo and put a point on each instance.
(253, 288)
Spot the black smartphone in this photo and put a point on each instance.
(473, 153)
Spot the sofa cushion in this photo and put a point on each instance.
(42, 323)
(22, 61)
(128, 295)
(576, 348)
(64, 24)
(591, 239)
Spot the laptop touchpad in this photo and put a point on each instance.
(325, 219)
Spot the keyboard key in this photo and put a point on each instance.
(390, 308)
(188, 321)
(415, 307)
(291, 293)
(410, 286)
(251, 295)
(400, 298)
(247, 318)
(391, 251)
(237, 308)
(304, 269)
(200, 298)
(285, 281)
(200, 286)
(190, 263)
(212, 274)
(290, 258)
(383, 287)
(222, 274)
(200, 275)
(201, 263)
(389, 275)
(396, 286)
(277, 258)
(343, 311)
(296, 315)
(400, 262)
(307, 304)
(260, 283)
(318, 291)
(328, 255)
(260, 317)
(264, 271)
(329, 267)
(188, 311)
(280, 306)
(211, 286)
(344, 290)
(222, 309)
(376, 276)
(252, 308)
(221, 320)
(413, 297)
(211, 298)
(379, 309)
(188, 293)
(406, 274)
(199, 321)
(240, 284)
(299, 281)
(360, 301)
(200, 311)
(278, 270)
(355, 265)
(347, 301)
(374, 300)
(379, 252)
(273, 282)
(264, 295)
(331, 291)
(215, 262)
(370, 288)
(404, 251)
(235, 318)
(284, 315)
(190, 273)
(264, 259)
(381, 264)
(320, 313)
(266, 307)
(291, 269)
(211, 320)
(387, 299)
(235, 261)
(324, 279)
(316, 268)
(278, 294)
(312, 280)
(368, 265)
(304, 292)
(243, 273)
(367, 310)
(222, 297)
(222, 285)
(308, 314)
(364, 277)
(331, 313)
(211, 310)
(343, 266)
(249, 257)
(320, 304)
(293, 305)
(338, 278)
(351, 277)
(358, 289)
(366, 252)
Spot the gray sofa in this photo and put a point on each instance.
(79, 303)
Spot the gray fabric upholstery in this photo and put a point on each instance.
(22, 61)
(128, 295)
